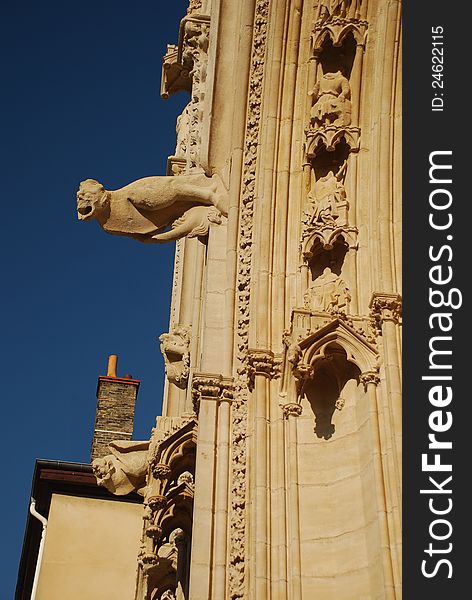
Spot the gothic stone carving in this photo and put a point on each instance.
(175, 348)
(329, 201)
(292, 409)
(385, 307)
(369, 377)
(186, 69)
(328, 293)
(144, 208)
(216, 387)
(237, 542)
(327, 216)
(174, 77)
(168, 503)
(344, 9)
(124, 469)
(262, 362)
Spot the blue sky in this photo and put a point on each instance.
(80, 98)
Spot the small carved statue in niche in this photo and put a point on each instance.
(328, 198)
(328, 293)
(144, 208)
(331, 101)
(175, 348)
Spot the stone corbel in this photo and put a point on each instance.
(211, 387)
(385, 308)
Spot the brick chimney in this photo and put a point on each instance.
(116, 399)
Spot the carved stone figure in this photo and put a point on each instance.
(328, 197)
(175, 348)
(124, 470)
(144, 208)
(331, 100)
(328, 293)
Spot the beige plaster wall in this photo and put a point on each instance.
(90, 550)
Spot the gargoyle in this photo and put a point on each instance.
(145, 208)
(124, 470)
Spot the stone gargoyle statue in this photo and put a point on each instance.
(124, 470)
(146, 208)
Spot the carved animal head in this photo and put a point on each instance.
(92, 200)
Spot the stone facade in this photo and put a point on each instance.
(275, 470)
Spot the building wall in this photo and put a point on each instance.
(90, 550)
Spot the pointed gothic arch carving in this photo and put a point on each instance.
(320, 363)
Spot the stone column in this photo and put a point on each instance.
(386, 312)
(261, 367)
(370, 380)
(205, 393)
(222, 495)
(291, 411)
(212, 396)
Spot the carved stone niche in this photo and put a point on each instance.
(326, 218)
(336, 24)
(175, 348)
(331, 112)
(319, 363)
(168, 509)
(324, 388)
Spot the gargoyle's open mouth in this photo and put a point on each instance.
(84, 211)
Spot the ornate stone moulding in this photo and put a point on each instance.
(328, 136)
(306, 322)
